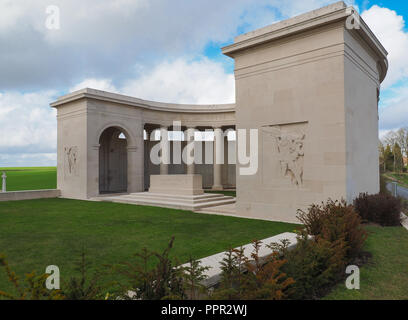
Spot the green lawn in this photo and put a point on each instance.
(34, 178)
(386, 276)
(38, 233)
(226, 192)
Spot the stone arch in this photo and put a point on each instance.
(113, 160)
(128, 133)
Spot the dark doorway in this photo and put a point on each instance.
(113, 161)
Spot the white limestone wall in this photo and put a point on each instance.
(103, 115)
(295, 86)
(72, 166)
(361, 116)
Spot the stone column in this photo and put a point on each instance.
(190, 150)
(218, 158)
(165, 150)
(147, 159)
(135, 156)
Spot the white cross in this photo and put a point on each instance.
(4, 177)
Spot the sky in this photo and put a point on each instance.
(162, 50)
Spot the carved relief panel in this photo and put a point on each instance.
(71, 160)
(283, 154)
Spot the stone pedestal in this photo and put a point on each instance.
(177, 184)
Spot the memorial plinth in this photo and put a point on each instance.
(177, 184)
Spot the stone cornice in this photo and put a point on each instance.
(328, 15)
(88, 93)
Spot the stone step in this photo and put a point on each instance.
(158, 197)
(193, 203)
(205, 196)
(214, 203)
(172, 204)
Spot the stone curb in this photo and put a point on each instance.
(214, 261)
(404, 220)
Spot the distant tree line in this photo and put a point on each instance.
(393, 149)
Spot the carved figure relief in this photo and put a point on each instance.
(290, 151)
(71, 161)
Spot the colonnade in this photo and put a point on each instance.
(189, 134)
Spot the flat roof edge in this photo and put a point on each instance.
(311, 20)
(89, 93)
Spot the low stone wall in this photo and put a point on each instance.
(404, 220)
(29, 195)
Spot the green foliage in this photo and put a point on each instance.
(383, 209)
(83, 288)
(400, 178)
(253, 278)
(32, 288)
(194, 275)
(398, 158)
(335, 221)
(233, 271)
(162, 282)
(314, 264)
(388, 158)
(383, 185)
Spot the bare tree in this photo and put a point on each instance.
(401, 137)
(390, 138)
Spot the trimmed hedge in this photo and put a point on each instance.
(383, 209)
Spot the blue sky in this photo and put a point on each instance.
(153, 49)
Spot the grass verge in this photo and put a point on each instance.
(386, 275)
(38, 233)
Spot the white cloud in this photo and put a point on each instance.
(181, 81)
(102, 44)
(28, 160)
(105, 39)
(99, 84)
(27, 123)
(28, 126)
(292, 8)
(388, 26)
(10, 12)
(199, 81)
(394, 114)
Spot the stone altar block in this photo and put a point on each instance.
(177, 184)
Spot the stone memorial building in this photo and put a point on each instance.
(307, 92)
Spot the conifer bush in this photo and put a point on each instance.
(335, 221)
(314, 265)
(253, 278)
(32, 287)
